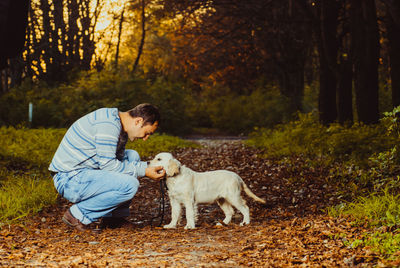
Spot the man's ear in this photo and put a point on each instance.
(174, 167)
(138, 121)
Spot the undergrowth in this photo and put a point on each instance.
(380, 213)
(24, 194)
(364, 163)
(26, 186)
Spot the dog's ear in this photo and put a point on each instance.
(174, 167)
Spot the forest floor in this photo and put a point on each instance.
(293, 229)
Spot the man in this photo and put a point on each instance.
(92, 169)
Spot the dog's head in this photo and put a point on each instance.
(168, 162)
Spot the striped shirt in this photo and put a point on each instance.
(91, 142)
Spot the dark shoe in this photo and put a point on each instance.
(73, 222)
(115, 222)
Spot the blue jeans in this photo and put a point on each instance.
(98, 193)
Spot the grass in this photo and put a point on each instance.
(308, 138)
(363, 162)
(24, 194)
(380, 213)
(375, 210)
(25, 183)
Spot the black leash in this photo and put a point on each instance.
(161, 208)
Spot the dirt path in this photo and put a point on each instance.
(290, 231)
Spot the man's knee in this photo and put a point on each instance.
(132, 187)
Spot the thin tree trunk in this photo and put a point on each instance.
(140, 50)
(121, 21)
(45, 38)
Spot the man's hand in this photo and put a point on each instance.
(155, 173)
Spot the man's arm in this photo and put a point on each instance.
(106, 139)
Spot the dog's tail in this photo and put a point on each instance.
(251, 194)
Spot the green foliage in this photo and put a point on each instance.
(392, 120)
(240, 113)
(33, 148)
(181, 108)
(386, 243)
(384, 166)
(158, 143)
(308, 137)
(378, 211)
(23, 194)
(25, 183)
(361, 159)
(62, 105)
(301, 137)
(375, 210)
(171, 98)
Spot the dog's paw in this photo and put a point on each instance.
(169, 226)
(188, 227)
(219, 224)
(244, 223)
(226, 222)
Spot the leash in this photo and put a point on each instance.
(161, 208)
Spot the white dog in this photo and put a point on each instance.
(190, 188)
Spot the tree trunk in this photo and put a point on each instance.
(140, 50)
(291, 81)
(87, 46)
(393, 35)
(328, 49)
(365, 42)
(345, 92)
(13, 21)
(121, 21)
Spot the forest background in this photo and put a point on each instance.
(268, 60)
(315, 79)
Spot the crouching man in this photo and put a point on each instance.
(92, 169)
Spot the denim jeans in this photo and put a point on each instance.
(98, 193)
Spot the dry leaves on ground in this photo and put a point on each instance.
(291, 230)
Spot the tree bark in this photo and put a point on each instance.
(121, 21)
(393, 35)
(292, 84)
(345, 92)
(328, 49)
(140, 50)
(365, 42)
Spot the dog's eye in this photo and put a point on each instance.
(158, 159)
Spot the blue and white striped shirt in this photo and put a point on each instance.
(91, 142)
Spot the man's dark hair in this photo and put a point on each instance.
(150, 115)
(148, 112)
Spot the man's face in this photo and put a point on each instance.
(139, 130)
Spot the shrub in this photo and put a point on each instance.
(308, 137)
(378, 211)
(182, 107)
(233, 113)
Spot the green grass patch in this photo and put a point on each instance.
(380, 213)
(25, 183)
(23, 194)
(33, 148)
(363, 162)
(308, 138)
(374, 210)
